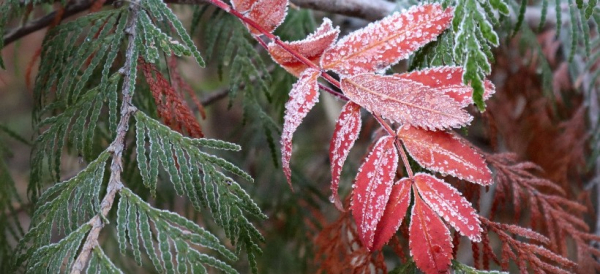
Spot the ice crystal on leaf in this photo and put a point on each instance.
(303, 97)
(269, 14)
(345, 134)
(373, 185)
(405, 101)
(448, 81)
(394, 213)
(447, 202)
(384, 43)
(312, 47)
(429, 239)
(446, 153)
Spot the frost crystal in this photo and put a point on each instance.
(373, 187)
(303, 97)
(405, 101)
(384, 43)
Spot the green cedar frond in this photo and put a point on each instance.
(185, 162)
(160, 10)
(233, 48)
(55, 207)
(134, 217)
(70, 56)
(49, 144)
(10, 225)
(100, 263)
(474, 36)
(51, 258)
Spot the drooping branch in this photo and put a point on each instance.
(367, 9)
(117, 146)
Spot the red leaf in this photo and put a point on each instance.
(345, 134)
(445, 153)
(394, 213)
(429, 239)
(303, 97)
(448, 80)
(404, 101)
(384, 43)
(242, 5)
(312, 47)
(269, 14)
(372, 188)
(449, 204)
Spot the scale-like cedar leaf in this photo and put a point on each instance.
(347, 129)
(405, 101)
(429, 242)
(446, 153)
(447, 202)
(303, 97)
(372, 188)
(311, 47)
(448, 80)
(269, 14)
(384, 43)
(394, 213)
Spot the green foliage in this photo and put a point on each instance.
(172, 233)
(54, 209)
(83, 66)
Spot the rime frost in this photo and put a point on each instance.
(394, 213)
(429, 239)
(312, 47)
(373, 187)
(447, 202)
(384, 43)
(303, 97)
(446, 153)
(405, 101)
(448, 81)
(345, 134)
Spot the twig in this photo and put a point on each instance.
(117, 147)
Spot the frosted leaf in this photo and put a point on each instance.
(347, 129)
(311, 47)
(303, 97)
(429, 241)
(269, 14)
(242, 5)
(373, 185)
(383, 43)
(405, 101)
(448, 81)
(394, 213)
(447, 202)
(446, 153)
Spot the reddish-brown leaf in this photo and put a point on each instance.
(429, 239)
(449, 204)
(372, 188)
(448, 80)
(303, 97)
(445, 153)
(242, 5)
(269, 14)
(347, 129)
(394, 213)
(405, 101)
(312, 47)
(384, 43)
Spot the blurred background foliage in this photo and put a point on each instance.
(546, 110)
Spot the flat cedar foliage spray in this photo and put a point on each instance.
(155, 189)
